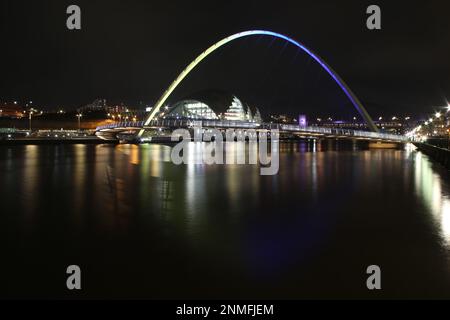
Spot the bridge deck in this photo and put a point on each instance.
(227, 124)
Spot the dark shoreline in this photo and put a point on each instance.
(440, 155)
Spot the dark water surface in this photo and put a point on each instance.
(141, 227)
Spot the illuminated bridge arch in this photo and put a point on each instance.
(355, 101)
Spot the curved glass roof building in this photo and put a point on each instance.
(196, 109)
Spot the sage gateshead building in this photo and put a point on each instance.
(196, 109)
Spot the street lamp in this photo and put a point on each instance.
(30, 114)
(79, 115)
(438, 115)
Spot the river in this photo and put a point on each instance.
(141, 227)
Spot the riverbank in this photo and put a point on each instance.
(441, 155)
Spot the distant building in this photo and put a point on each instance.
(96, 105)
(191, 109)
(212, 106)
(236, 111)
(282, 118)
(302, 122)
(257, 116)
(11, 110)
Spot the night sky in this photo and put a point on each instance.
(130, 51)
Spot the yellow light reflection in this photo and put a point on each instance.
(430, 187)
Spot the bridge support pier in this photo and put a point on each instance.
(384, 145)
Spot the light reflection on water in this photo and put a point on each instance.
(433, 192)
(428, 182)
(327, 212)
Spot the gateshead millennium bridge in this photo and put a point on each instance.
(153, 122)
(128, 130)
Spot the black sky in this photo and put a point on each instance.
(130, 51)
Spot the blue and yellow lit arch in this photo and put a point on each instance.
(355, 101)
